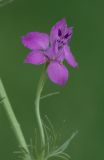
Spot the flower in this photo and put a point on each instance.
(53, 49)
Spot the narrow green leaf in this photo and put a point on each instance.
(64, 146)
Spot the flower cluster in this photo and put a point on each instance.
(53, 49)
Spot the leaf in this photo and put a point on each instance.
(59, 155)
(64, 146)
(48, 95)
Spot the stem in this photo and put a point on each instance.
(13, 121)
(37, 110)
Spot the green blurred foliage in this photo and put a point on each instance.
(80, 104)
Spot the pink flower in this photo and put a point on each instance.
(53, 49)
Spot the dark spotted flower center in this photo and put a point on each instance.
(63, 38)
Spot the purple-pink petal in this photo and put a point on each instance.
(57, 73)
(69, 57)
(36, 40)
(52, 51)
(35, 57)
(60, 25)
(69, 33)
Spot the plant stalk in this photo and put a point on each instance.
(14, 123)
(37, 111)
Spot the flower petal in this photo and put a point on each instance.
(52, 51)
(61, 57)
(57, 73)
(35, 57)
(69, 33)
(56, 30)
(35, 40)
(69, 57)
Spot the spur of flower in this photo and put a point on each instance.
(52, 49)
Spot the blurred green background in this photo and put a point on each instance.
(80, 106)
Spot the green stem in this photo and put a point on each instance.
(13, 121)
(37, 110)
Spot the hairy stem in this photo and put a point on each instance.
(14, 123)
(37, 111)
